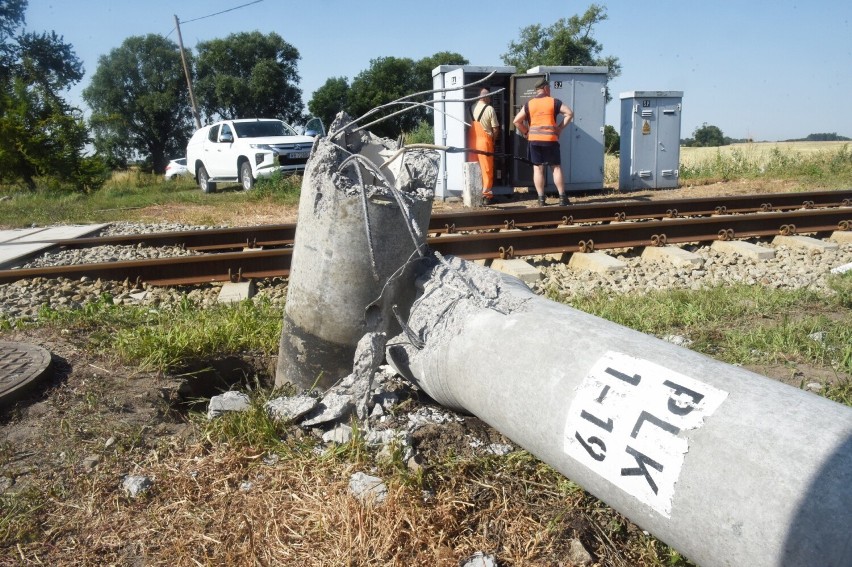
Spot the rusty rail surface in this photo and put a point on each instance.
(506, 217)
(258, 263)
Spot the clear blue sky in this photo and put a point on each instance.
(770, 70)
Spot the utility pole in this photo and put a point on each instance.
(188, 80)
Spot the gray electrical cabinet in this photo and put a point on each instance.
(582, 88)
(453, 101)
(582, 143)
(649, 151)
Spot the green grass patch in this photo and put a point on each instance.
(165, 339)
(21, 517)
(126, 195)
(747, 324)
(253, 428)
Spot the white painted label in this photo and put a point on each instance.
(629, 424)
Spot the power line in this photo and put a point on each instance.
(216, 14)
(222, 12)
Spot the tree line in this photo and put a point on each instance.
(140, 104)
(708, 136)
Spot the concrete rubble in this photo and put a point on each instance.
(367, 488)
(227, 402)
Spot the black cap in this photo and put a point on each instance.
(542, 83)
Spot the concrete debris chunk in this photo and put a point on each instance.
(386, 437)
(578, 555)
(333, 407)
(340, 434)
(678, 340)
(366, 488)
(227, 402)
(499, 449)
(479, 559)
(134, 485)
(291, 408)
(353, 392)
(428, 415)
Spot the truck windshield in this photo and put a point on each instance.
(263, 128)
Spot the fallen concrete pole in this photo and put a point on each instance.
(729, 467)
(359, 230)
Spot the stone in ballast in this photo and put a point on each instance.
(745, 249)
(672, 255)
(598, 262)
(518, 268)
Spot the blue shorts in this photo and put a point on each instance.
(545, 153)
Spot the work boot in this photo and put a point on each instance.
(541, 202)
(563, 200)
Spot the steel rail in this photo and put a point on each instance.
(615, 211)
(259, 264)
(279, 235)
(176, 270)
(586, 238)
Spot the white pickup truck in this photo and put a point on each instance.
(243, 150)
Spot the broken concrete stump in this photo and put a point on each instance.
(360, 230)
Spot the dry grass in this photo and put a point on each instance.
(758, 151)
(299, 512)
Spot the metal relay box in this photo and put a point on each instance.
(649, 150)
(582, 144)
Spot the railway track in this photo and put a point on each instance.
(240, 253)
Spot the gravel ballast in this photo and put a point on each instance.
(791, 268)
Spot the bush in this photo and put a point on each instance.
(423, 134)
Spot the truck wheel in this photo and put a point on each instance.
(246, 177)
(204, 181)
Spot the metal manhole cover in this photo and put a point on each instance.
(22, 365)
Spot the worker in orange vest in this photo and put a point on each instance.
(536, 121)
(484, 131)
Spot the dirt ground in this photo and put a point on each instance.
(93, 415)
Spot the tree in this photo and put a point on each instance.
(826, 137)
(391, 78)
(566, 42)
(708, 136)
(40, 134)
(612, 140)
(423, 68)
(140, 102)
(249, 75)
(387, 79)
(330, 99)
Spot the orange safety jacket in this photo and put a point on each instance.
(541, 112)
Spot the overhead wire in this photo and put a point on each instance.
(214, 14)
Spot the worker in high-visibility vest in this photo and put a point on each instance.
(483, 133)
(537, 122)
